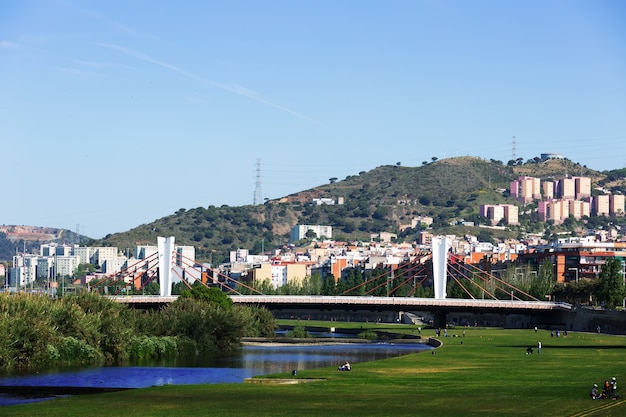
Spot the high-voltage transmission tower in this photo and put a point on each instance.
(258, 195)
(513, 155)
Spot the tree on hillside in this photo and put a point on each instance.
(610, 291)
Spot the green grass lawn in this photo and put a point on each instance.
(485, 373)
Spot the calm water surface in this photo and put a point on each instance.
(250, 361)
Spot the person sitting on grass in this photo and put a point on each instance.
(345, 367)
(594, 393)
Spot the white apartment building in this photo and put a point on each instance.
(64, 266)
(185, 256)
(299, 231)
(145, 251)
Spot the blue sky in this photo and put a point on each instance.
(116, 113)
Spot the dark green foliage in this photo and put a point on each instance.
(212, 295)
(544, 282)
(298, 331)
(207, 326)
(38, 332)
(148, 347)
(369, 335)
(610, 290)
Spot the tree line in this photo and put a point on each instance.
(37, 332)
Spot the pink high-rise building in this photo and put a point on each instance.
(616, 204)
(601, 205)
(548, 190)
(555, 210)
(526, 189)
(511, 214)
(582, 187)
(579, 209)
(566, 189)
(497, 212)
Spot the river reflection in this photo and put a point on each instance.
(248, 362)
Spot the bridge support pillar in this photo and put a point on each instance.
(440, 266)
(439, 321)
(166, 249)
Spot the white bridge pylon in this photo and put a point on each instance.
(165, 247)
(440, 248)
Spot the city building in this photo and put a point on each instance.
(526, 189)
(299, 232)
(582, 187)
(601, 205)
(616, 204)
(576, 258)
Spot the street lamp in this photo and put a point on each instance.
(574, 269)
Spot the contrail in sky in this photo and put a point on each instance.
(235, 89)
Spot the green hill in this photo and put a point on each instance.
(380, 200)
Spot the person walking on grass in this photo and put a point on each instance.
(539, 347)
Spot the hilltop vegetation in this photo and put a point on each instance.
(380, 200)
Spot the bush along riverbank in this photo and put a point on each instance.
(37, 332)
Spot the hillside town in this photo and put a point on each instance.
(313, 250)
(573, 258)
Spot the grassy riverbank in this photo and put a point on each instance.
(485, 373)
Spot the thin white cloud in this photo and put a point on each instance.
(4, 44)
(235, 89)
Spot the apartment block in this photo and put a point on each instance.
(601, 205)
(299, 231)
(566, 189)
(582, 187)
(548, 190)
(555, 210)
(579, 209)
(616, 204)
(496, 212)
(526, 189)
(185, 256)
(511, 214)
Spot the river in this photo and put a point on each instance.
(250, 361)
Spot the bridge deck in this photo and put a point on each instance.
(398, 303)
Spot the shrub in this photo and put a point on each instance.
(298, 331)
(368, 335)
